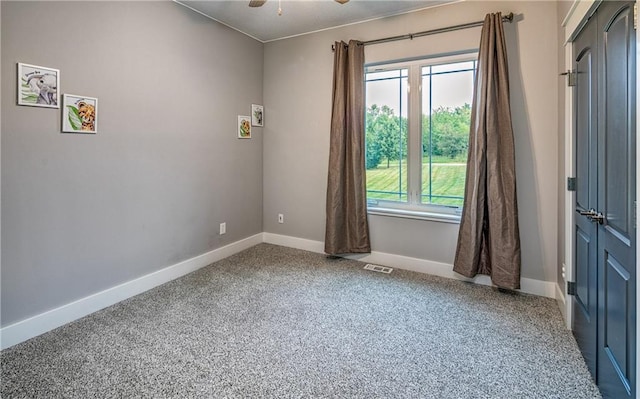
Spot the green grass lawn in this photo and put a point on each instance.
(447, 179)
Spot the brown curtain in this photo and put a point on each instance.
(347, 229)
(489, 239)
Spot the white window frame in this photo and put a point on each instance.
(413, 208)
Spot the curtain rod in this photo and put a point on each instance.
(506, 18)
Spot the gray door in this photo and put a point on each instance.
(616, 198)
(585, 300)
(585, 304)
(605, 231)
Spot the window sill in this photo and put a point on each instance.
(419, 215)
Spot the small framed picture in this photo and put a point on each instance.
(79, 114)
(38, 86)
(257, 115)
(244, 127)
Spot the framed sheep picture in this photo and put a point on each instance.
(79, 114)
(257, 115)
(38, 86)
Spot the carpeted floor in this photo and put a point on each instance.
(275, 322)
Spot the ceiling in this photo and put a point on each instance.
(300, 16)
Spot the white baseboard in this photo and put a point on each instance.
(565, 304)
(560, 297)
(529, 286)
(294, 242)
(562, 303)
(47, 321)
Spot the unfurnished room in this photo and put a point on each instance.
(318, 198)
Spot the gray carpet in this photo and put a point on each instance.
(275, 322)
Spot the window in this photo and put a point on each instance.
(417, 140)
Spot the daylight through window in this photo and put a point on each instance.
(417, 140)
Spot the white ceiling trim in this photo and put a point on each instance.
(363, 21)
(185, 4)
(218, 21)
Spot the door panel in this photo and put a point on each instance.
(618, 143)
(616, 196)
(585, 296)
(616, 324)
(615, 375)
(585, 120)
(585, 301)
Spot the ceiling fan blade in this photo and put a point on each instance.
(257, 3)
(342, 1)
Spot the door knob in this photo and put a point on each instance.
(597, 217)
(586, 213)
(592, 215)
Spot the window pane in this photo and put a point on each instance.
(446, 113)
(383, 75)
(452, 67)
(386, 137)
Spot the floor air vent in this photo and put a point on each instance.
(376, 268)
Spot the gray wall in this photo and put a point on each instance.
(82, 213)
(297, 96)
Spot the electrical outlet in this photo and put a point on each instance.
(223, 228)
(280, 218)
